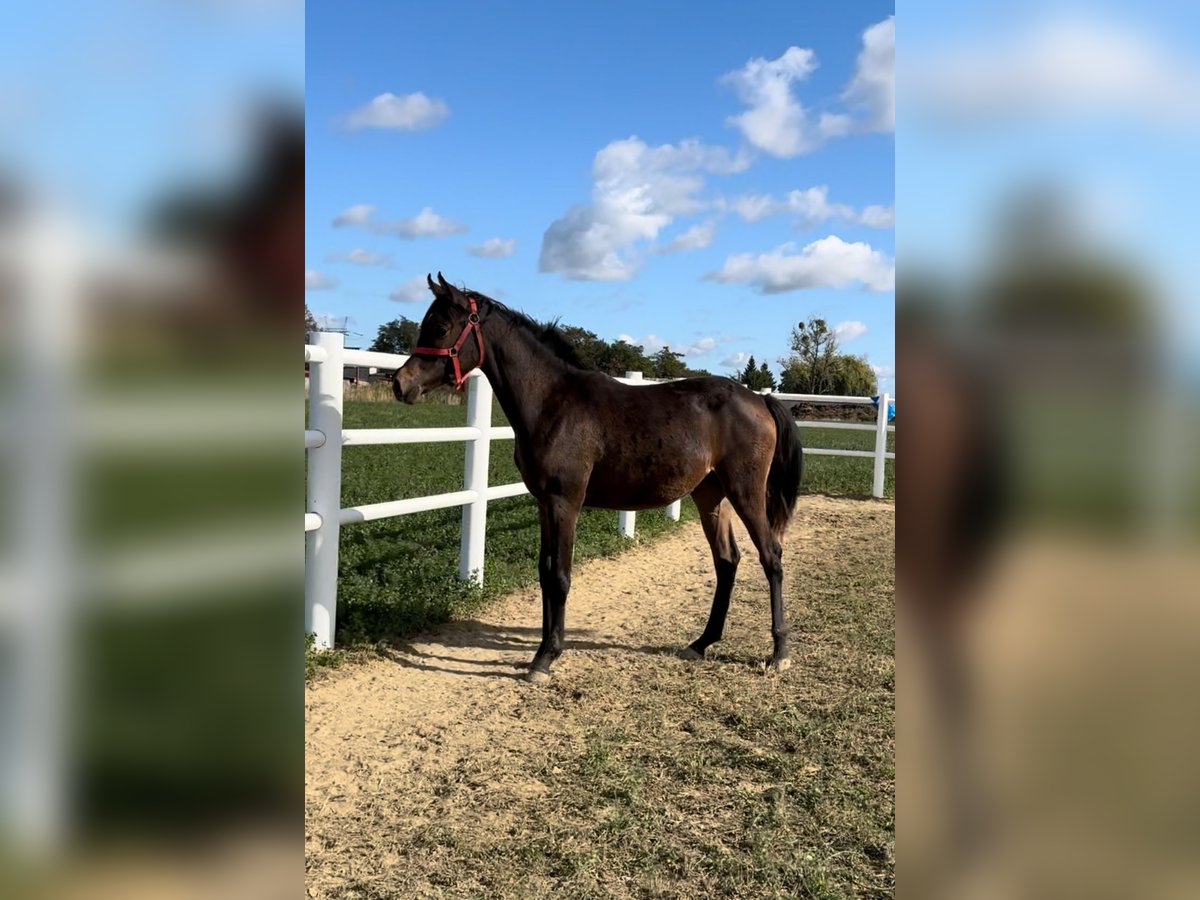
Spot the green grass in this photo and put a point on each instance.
(844, 476)
(398, 576)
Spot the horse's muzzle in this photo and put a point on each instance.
(406, 393)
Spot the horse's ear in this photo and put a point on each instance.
(450, 292)
(441, 289)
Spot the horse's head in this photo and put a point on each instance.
(448, 345)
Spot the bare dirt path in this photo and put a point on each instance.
(436, 770)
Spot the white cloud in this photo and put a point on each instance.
(652, 343)
(752, 207)
(828, 262)
(775, 122)
(849, 330)
(358, 214)
(884, 371)
(873, 87)
(638, 190)
(736, 361)
(361, 257)
(878, 216)
(426, 223)
(318, 281)
(583, 245)
(695, 238)
(414, 290)
(810, 206)
(1059, 68)
(398, 112)
(494, 248)
(834, 125)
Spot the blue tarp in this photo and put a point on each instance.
(891, 407)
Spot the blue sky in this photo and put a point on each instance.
(112, 104)
(1097, 102)
(669, 171)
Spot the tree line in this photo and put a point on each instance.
(816, 364)
(611, 357)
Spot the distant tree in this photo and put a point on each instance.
(853, 376)
(590, 347)
(310, 321)
(748, 373)
(620, 357)
(847, 375)
(669, 364)
(757, 377)
(811, 365)
(1043, 280)
(396, 336)
(765, 378)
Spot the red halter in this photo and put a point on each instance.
(460, 377)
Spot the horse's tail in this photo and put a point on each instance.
(787, 467)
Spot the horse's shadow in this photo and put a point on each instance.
(471, 634)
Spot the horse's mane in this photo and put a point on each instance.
(548, 334)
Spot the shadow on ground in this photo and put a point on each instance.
(437, 653)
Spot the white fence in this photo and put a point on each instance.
(324, 439)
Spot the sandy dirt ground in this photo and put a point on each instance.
(443, 732)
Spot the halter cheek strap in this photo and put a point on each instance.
(460, 377)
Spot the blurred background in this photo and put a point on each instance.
(1048, 334)
(151, 189)
(151, 244)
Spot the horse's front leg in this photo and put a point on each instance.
(559, 517)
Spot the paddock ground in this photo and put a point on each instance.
(434, 770)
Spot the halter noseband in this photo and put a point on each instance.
(460, 377)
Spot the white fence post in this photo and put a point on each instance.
(673, 510)
(324, 489)
(627, 519)
(626, 522)
(475, 478)
(881, 420)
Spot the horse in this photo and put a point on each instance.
(733, 450)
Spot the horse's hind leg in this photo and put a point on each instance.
(747, 493)
(717, 520)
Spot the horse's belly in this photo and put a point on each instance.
(643, 487)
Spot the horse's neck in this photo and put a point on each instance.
(525, 375)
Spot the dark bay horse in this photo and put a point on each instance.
(585, 439)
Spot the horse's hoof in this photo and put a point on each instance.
(537, 676)
(690, 653)
(780, 665)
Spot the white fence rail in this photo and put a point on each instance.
(324, 439)
(880, 454)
